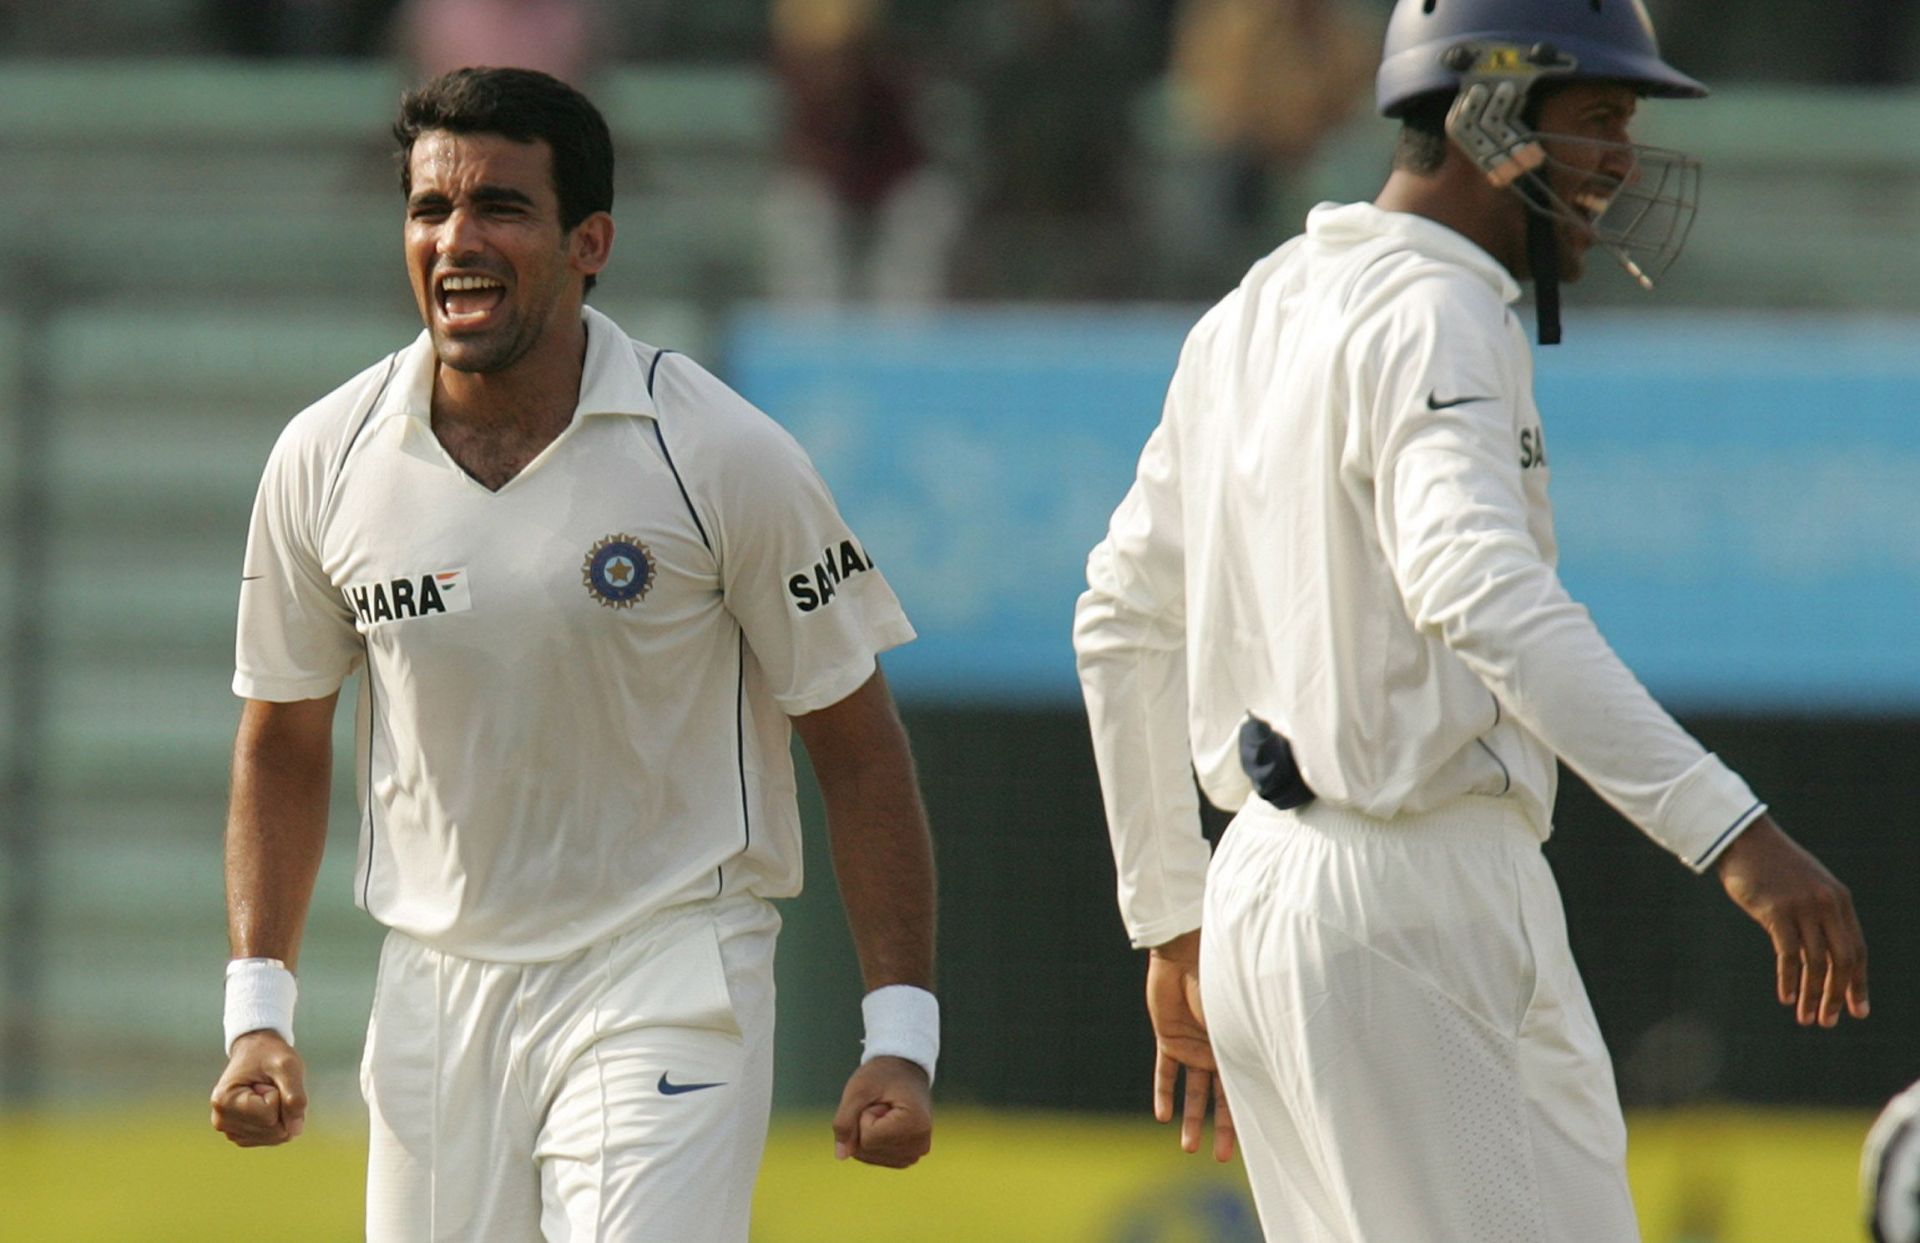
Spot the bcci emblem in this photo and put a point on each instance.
(618, 571)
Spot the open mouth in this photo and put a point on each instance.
(1592, 204)
(469, 299)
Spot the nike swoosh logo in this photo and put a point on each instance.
(248, 578)
(1434, 402)
(675, 1089)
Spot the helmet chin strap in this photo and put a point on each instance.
(1543, 260)
(1492, 120)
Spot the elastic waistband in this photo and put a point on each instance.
(1471, 817)
(730, 914)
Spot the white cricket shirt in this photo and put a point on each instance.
(1341, 526)
(576, 688)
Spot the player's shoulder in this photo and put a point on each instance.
(697, 409)
(316, 443)
(1405, 264)
(338, 414)
(1216, 323)
(1410, 284)
(1277, 269)
(1222, 325)
(1408, 298)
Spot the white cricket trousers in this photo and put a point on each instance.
(621, 1093)
(1400, 1028)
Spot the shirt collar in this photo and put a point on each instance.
(611, 380)
(1345, 224)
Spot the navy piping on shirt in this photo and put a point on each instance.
(1508, 776)
(740, 682)
(740, 745)
(373, 717)
(1739, 820)
(661, 438)
(373, 727)
(366, 416)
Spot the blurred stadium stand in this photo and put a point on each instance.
(195, 249)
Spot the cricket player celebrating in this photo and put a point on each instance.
(1332, 590)
(590, 590)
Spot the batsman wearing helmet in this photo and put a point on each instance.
(1332, 591)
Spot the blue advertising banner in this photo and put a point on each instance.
(1738, 501)
(1737, 497)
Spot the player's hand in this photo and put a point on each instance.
(885, 1115)
(261, 1100)
(1820, 954)
(1181, 1043)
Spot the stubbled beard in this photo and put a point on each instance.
(483, 355)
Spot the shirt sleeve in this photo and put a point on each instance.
(1452, 509)
(296, 639)
(1130, 642)
(808, 594)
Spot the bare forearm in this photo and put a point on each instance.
(882, 851)
(883, 861)
(276, 825)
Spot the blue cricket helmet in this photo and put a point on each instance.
(1605, 39)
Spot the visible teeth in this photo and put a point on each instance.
(459, 284)
(1594, 205)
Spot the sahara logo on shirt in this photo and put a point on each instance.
(1533, 447)
(415, 595)
(618, 571)
(812, 589)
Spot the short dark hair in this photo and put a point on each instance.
(1422, 147)
(524, 105)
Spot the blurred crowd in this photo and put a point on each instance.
(1864, 42)
(981, 148)
(930, 149)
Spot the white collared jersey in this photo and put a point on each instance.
(576, 691)
(1341, 526)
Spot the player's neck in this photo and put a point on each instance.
(1460, 198)
(536, 394)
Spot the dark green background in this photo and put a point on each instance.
(1041, 995)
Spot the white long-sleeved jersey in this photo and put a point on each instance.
(1341, 526)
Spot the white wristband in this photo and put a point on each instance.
(260, 996)
(902, 1021)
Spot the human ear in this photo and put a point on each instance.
(591, 244)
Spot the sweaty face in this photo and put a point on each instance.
(1584, 128)
(492, 269)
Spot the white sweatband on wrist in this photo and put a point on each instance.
(260, 996)
(902, 1021)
